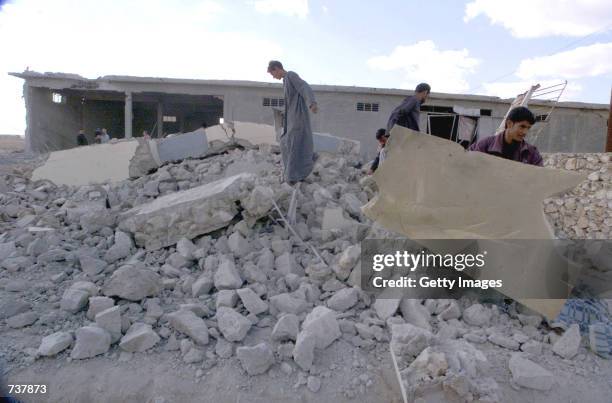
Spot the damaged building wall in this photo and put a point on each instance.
(351, 112)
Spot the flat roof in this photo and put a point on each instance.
(68, 77)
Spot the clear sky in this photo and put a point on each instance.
(493, 47)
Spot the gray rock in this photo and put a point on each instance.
(348, 260)
(22, 320)
(287, 328)
(477, 315)
(252, 302)
(202, 286)
(257, 359)
(54, 344)
(238, 245)
(288, 304)
(194, 355)
(90, 341)
(567, 346)
(303, 352)
(503, 341)
(91, 265)
(232, 325)
(286, 264)
(185, 248)
(140, 337)
(227, 298)
(532, 347)
(386, 307)
(188, 323)
(73, 300)
(343, 300)
(7, 249)
(97, 305)
(227, 276)
(37, 246)
(224, 348)
(322, 324)
(121, 248)
(133, 283)
(415, 313)
(13, 307)
(529, 374)
(110, 320)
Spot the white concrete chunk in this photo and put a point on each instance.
(187, 322)
(140, 337)
(90, 341)
(528, 374)
(110, 320)
(227, 277)
(257, 359)
(567, 346)
(322, 324)
(54, 343)
(232, 325)
(252, 302)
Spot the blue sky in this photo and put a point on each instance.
(493, 47)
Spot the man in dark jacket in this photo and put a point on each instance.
(81, 139)
(407, 113)
(510, 143)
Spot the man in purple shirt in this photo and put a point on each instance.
(510, 143)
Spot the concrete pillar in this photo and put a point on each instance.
(160, 119)
(128, 115)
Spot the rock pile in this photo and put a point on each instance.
(195, 258)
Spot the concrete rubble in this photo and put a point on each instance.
(193, 260)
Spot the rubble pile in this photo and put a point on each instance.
(585, 212)
(196, 259)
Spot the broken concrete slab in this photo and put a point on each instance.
(325, 142)
(182, 146)
(251, 301)
(189, 213)
(253, 133)
(333, 218)
(99, 163)
(528, 374)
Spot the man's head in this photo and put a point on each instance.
(103, 130)
(518, 123)
(422, 91)
(275, 68)
(81, 131)
(382, 136)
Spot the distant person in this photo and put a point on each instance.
(81, 139)
(407, 113)
(510, 143)
(146, 135)
(204, 125)
(105, 136)
(98, 137)
(381, 136)
(296, 141)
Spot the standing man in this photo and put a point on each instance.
(407, 113)
(81, 139)
(510, 143)
(104, 138)
(296, 142)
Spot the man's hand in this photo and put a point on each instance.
(314, 108)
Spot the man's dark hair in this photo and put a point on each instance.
(380, 133)
(204, 125)
(520, 114)
(422, 87)
(274, 64)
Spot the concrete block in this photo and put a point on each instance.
(189, 213)
(182, 146)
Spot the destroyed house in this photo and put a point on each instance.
(60, 104)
